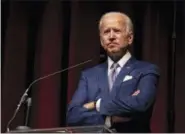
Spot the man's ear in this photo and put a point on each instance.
(101, 42)
(130, 38)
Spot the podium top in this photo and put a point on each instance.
(77, 129)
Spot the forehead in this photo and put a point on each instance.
(112, 21)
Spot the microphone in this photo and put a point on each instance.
(23, 98)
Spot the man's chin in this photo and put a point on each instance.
(114, 51)
(115, 55)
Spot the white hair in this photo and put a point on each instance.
(127, 20)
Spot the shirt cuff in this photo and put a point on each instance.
(98, 104)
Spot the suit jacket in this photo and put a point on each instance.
(93, 85)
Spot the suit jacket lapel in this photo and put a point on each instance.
(103, 78)
(129, 66)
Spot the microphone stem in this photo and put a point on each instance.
(27, 111)
(23, 98)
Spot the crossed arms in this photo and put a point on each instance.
(80, 111)
(92, 105)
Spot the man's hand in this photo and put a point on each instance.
(89, 105)
(136, 93)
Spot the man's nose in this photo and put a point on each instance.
(112, 35)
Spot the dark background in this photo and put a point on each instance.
(41, 37)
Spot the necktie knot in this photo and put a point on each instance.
(114, 66)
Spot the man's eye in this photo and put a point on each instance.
(106, 31)
(117, 31)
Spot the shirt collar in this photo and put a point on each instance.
(121, 62)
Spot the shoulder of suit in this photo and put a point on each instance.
(94, 70)
(146, 67)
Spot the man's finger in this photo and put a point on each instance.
(136, 93)
(90, 105)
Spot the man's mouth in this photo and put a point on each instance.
(112, 44)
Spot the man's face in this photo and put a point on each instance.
(113, 36)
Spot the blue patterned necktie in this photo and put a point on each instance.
(113, 75)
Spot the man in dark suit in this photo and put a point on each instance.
(120, 92)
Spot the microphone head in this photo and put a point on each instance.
(102, 56)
